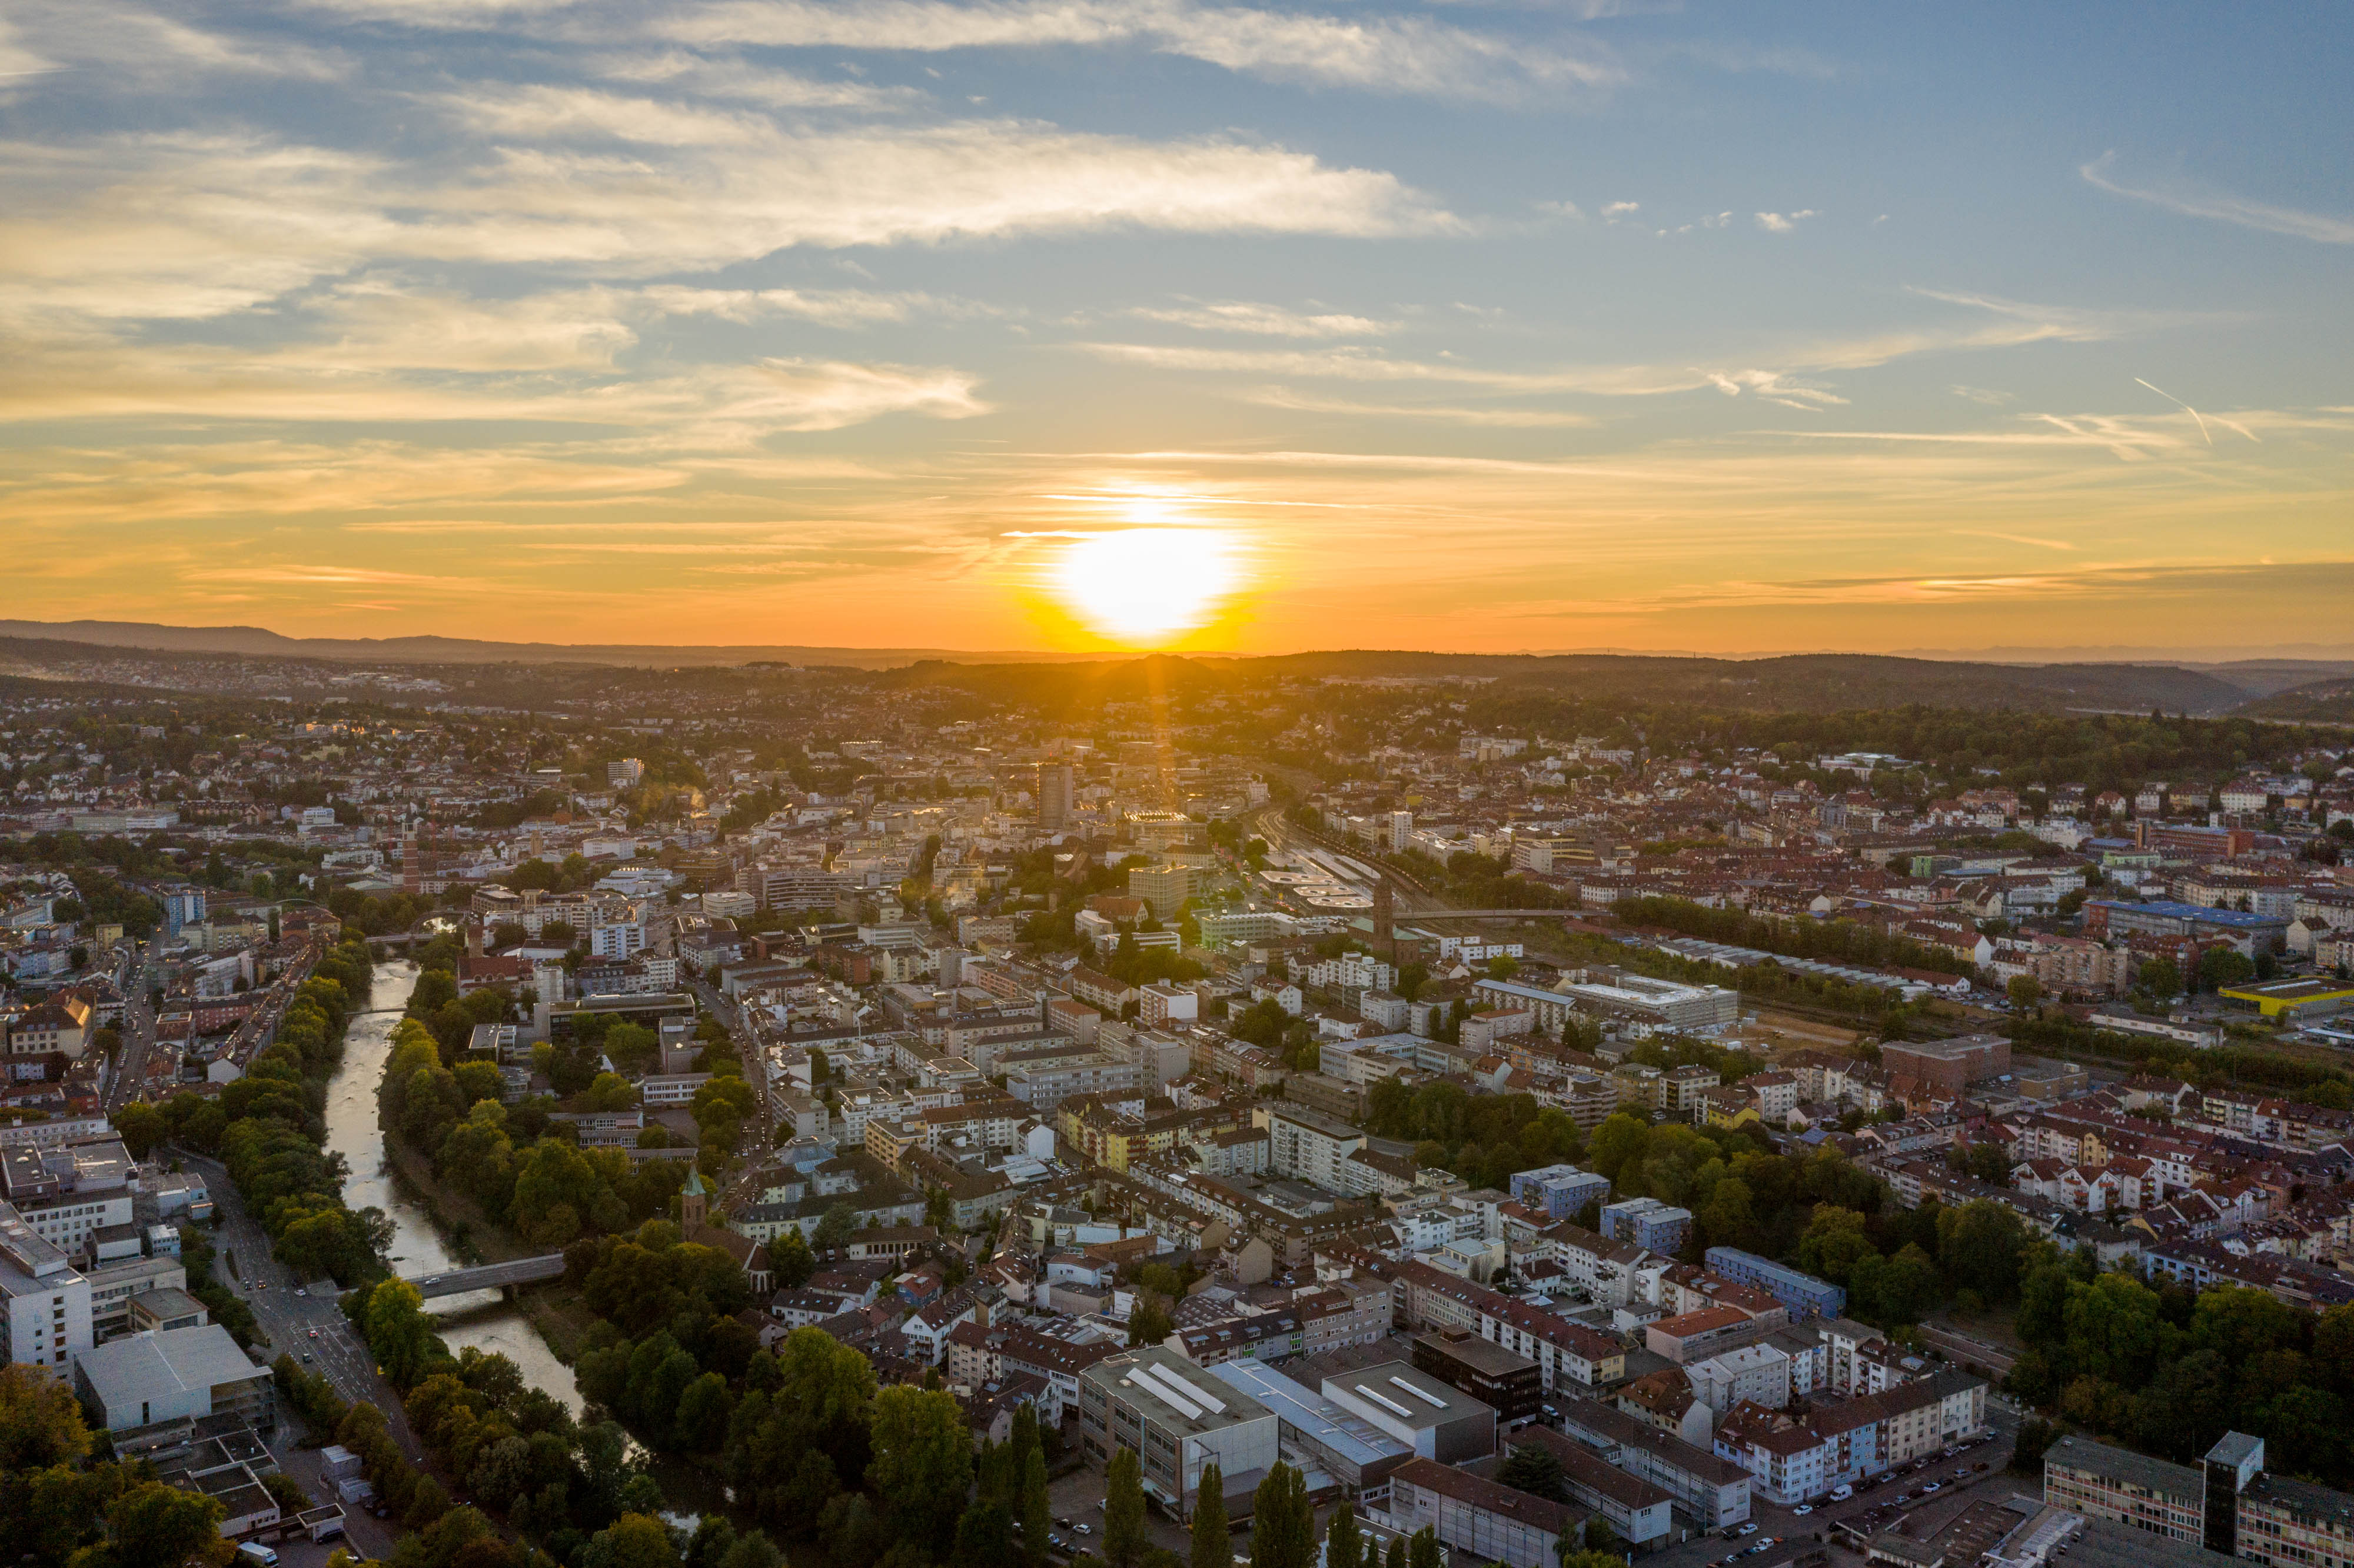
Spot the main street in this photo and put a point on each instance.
(759, 1140)
(304, 1324)
(128, 1081)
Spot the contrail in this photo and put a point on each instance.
(2184, 406)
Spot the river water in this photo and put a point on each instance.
(481, 1319)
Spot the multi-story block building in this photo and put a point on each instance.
(1561, 1191)
(1803, 1294)
(1649, 1223)
(1712, 1492)
(1305, 1145)
(1177, 1419)
(1477, 1519)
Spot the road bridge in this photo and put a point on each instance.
(491, 1276)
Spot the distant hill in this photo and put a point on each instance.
(1813, 683)
(2321, 702)
(254, 642)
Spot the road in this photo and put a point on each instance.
(131, 1067)
(1993, 1483)
(757, 1140)
(310, 1326)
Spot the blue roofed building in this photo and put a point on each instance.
(1804, 1295)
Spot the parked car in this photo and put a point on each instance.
(1749, 1528)
(1933, 1486)
(1804, 1508)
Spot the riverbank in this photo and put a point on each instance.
(555, 1312)
(426, 1238)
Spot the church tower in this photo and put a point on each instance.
(690, 1202)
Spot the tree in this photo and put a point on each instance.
(702, 1413)
(753, 1550)
(1978, 1244)
(1533, 1470)
(2025, 991)
(985, 1533)
(1619, 1142)
(2160, 978)
(1212, 1547)
(1340, 1544)
(923, 1464)
(633, 1541)
(835, 1227)
(157, 1526)
(397, 1331)
(1149, 1322)
(1283, 1522)
(2220, 967)
(791, 1260)
(40, 1424)
(1424, 1550)
(1833, 1244)
(1124, 1510)
(143, 1126)
(1036, 1515)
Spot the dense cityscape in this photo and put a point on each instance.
(1369, 1109)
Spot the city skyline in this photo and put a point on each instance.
(1142, 323)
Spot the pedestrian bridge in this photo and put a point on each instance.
(491, 1276)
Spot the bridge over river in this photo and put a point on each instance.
(491, 1276)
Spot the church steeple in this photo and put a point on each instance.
(691, 1200)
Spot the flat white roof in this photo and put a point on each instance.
(173, 1361)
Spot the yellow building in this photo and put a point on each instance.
(2292, 999)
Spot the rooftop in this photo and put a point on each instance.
(2123, 1464)
(1173, 1390)
(175, 1360)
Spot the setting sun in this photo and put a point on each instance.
(1143, 586)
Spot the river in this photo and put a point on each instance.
(481, 1319)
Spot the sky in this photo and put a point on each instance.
(1078, 323)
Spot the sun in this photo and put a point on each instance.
(1145, 585)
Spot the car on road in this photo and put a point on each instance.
(1804, 1508)
(1749, 1528)
(1933, 1486)
(1840, 1494)
(1904, 1496)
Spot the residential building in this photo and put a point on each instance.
(1640, 1512)
(1649, 1223)
(1803, 1294)
(1562, 1192)
(1712, 1492)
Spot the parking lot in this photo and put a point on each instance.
(1930, 1488)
